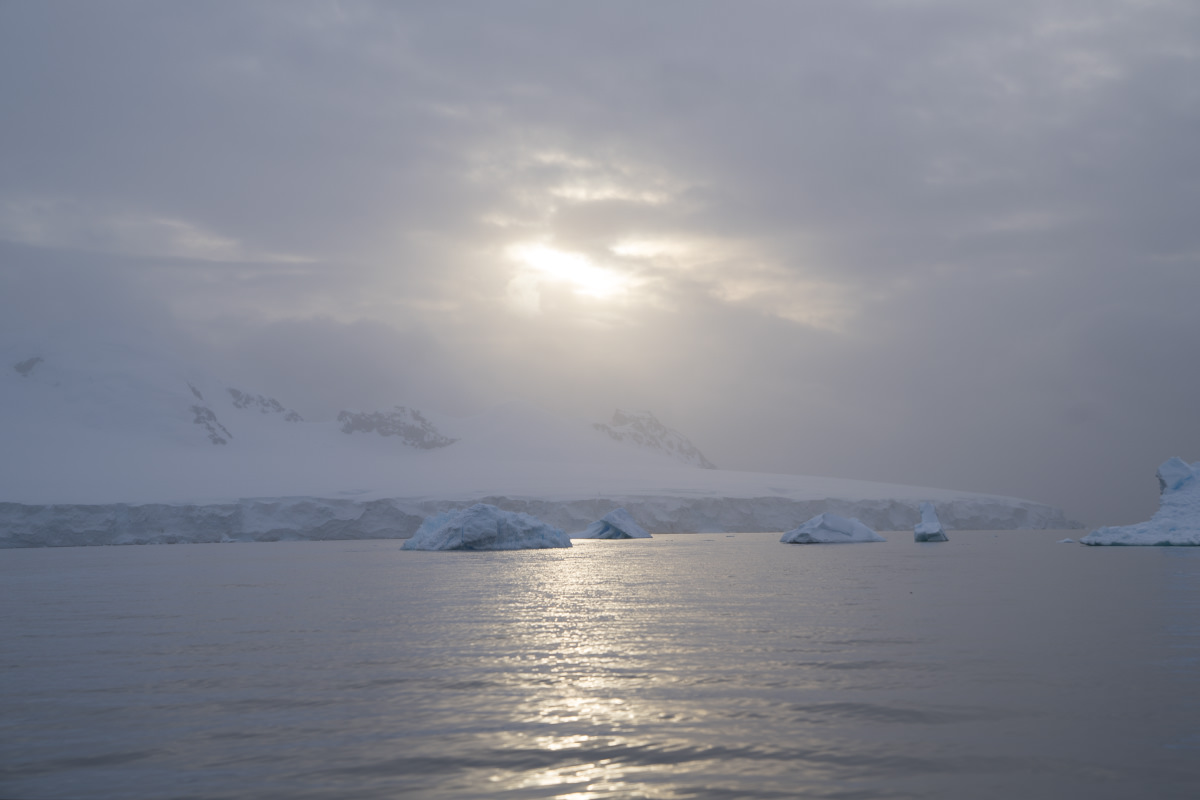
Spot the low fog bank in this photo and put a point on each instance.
(753, 393)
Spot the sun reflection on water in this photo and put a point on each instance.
(682, 666)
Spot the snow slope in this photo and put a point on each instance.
(104, 442)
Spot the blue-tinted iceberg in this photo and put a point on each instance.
(831, 529)
(929, 529)
(616, 524)
(1177, 521)
(485, 527)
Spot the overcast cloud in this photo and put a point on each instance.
(941, 243)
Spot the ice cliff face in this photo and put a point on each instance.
(315, 518)
(644, 430)
(407, 424)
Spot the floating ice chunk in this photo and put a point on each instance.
(616, 524)
(1066, 541)
(485, 527)
(1177, 521)
(929, 529)
(829, 529)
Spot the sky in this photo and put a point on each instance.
(937, 243)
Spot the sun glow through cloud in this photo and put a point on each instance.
(542, 263)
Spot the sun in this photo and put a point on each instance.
(573, 269)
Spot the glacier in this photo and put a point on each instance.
(124, 443)
(616, 524)
(929, 529)
(830, 528)
(1177, 521)
(485, 527)
(315, 518)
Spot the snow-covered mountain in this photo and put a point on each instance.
(99, 421)
(264, 405)
(103, 442)
(140, 392)
(407, 424)
(644, 430)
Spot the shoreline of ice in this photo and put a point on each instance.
(109, 442)
(315, 518)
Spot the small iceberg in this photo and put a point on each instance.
(485, 527)
(616, 524)
(1068, 540)
(830, 528)
(929, 529)
(1177, 521)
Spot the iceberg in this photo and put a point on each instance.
(830, 528)
(616, 524)
(929, 529)
(485, 527)
(1177, 521)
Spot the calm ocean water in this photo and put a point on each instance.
(997, 665)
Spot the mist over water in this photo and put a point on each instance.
(999, 664)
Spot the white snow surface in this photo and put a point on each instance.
(831, 529)
(929, 529)
(616, 524)
(485, 527)
(123, 442)
(1177, 521)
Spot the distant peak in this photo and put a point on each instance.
(206, 418)
(407, 424)
(264, 405)
(25, 367)
(642, 428)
